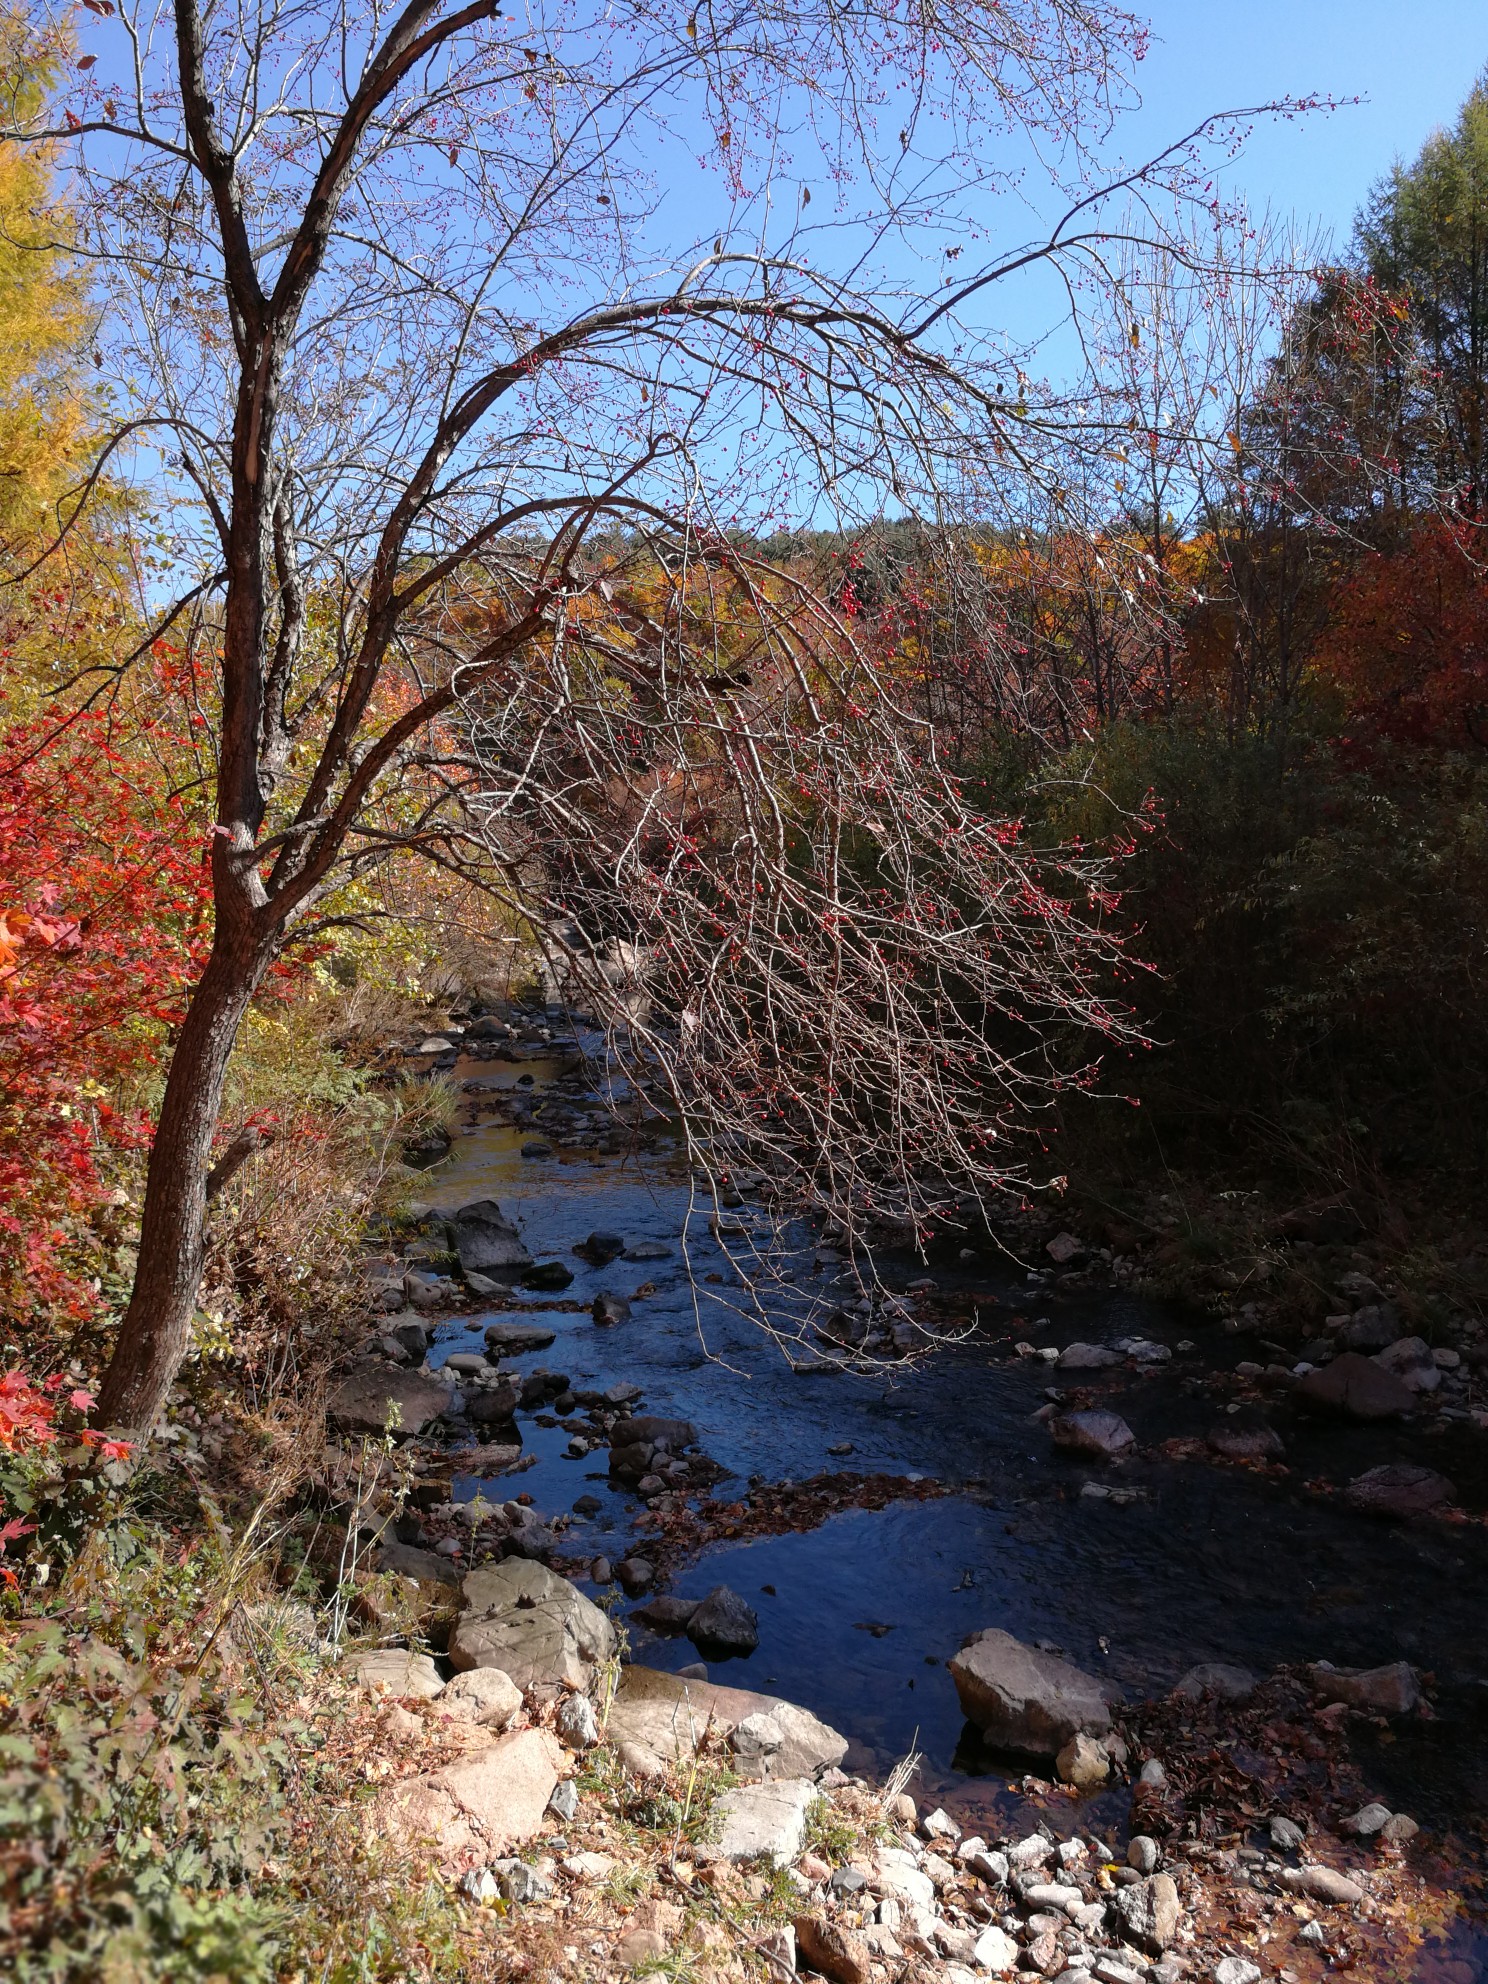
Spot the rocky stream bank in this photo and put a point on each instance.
(1214, 1602)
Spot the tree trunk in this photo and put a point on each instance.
(157, 1324)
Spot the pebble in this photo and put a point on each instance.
(1142, 1853)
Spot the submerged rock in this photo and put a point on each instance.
(1214, 1677)
(1024, 1700)
(1399, 1489)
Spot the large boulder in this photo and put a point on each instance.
(669, 1717)
(485, 1238)
(532, 1624)
(1024, 1700)
(1355, 1387)
(478, 1808)
(374, 1395)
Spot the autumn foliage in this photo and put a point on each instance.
(103, 926)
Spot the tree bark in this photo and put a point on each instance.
(156, 1327)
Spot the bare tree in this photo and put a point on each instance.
(417, 311)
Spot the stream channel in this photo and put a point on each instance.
(858, 1616)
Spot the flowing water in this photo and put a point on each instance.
(858, 1616)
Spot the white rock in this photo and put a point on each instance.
(763, 1821)
(899, 1876)
(995, 1951)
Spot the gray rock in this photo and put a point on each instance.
(634, 1574)
(520, 1883)
(1392, 1689)
(1147, 1913)
(1374, 1327)
(1101, 1435)
(665, 1614)
(1367, 1821)
(577, 1723)
(1399, 1490)
(1088, 1357)
(532, 1624)
(1236, 1970)
(1355, 1387)
(1214, 1677)
(374, 1395)
(1286, 1834)
(723, 1624)
(564, 1803)
(1411, 1361)
(647, 1250)
(610, 1309)
(1142, 1853)
(1399, 1828)
(486, 1239)
(1023, 1700)
(762, 1822)
(482, 1284)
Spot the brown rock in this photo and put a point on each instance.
(1356, 1387)
(485, 1803)
(374, 1395)
(638, 1946)
(832, 1950)
(1023, 1699)
(1322, 1884)
(1392, 1689)
(669, 1717)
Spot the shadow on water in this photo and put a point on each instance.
(858, 1617)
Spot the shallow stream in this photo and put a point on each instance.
(858, 1616)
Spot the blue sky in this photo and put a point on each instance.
(1413, 60)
